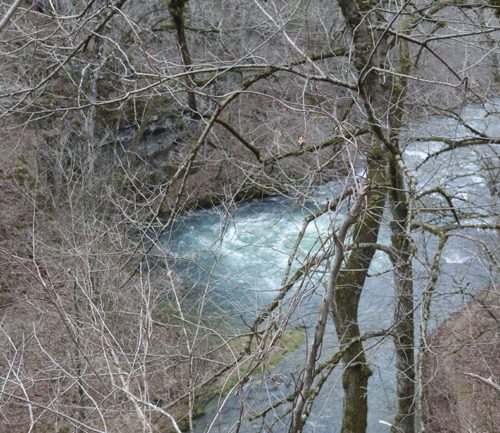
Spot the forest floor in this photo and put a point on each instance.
(36, 311)
(464, 356)
(37, 305)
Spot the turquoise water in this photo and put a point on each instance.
(236, 259)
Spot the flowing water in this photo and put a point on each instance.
(236, 258)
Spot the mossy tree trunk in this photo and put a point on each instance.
(404, 340)
(384, 98)
(177, 9)
(369, 53)
(347, 295)
(402, 244)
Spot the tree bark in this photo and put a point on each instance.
(404, 340)
(384, 102)
(298, 417)
(347, 295)
(177, 9)
(401, 201)
(369, 52)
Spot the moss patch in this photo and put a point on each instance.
(289, 342)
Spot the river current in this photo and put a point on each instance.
(236, 257)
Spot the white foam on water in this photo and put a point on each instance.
(416, 154)
(254, 243)
(455, 257)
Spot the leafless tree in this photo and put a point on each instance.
(143, 112)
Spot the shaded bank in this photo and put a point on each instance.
(464, 349)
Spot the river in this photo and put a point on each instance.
(237, 256)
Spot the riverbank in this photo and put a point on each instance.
(75, 293)
(462, 368)
(75, 314)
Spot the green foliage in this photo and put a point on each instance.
(289, 342)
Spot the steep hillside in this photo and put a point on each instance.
(462, 370)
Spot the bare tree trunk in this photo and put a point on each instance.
(177, 10)
(384, 102)
(347, 295)
(367, 54)
(401, 202)
(79, 360)
(404, 341)
(298, 417)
